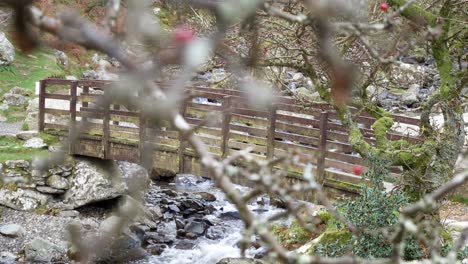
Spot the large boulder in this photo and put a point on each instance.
(93, 181)
(7, 51)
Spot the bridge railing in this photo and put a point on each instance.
(313, 132)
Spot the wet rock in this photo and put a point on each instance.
(49, 190)
(179, 224)
(215, 232)
(206, 196)
(57, 182)
(7, 258)
(191, 236)
(156, 249)
(41, 250)
(231, 215)
(22, 199)
(91, 183)
(110, 224)
(169, 192)
(184, 245)
(35, 143)
(181, 233)
(7, 50)
(192, 204)
(11, 230)
(155, 213)
(173, 208)
(240, 261)
(196, 227)
(123, 249)
(25, 135)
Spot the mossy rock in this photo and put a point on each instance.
(337, 237)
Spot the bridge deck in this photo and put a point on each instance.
(122, 134)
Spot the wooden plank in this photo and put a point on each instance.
(236, 145)
(249, 121)
(259, 132)
(55, 127)
(65, 97)
(247, 139)
(57, 112)
(142, 139)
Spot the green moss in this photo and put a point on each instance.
(293, 236)
(380, 127)
(324, 215)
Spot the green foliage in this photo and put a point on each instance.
(373, 209)
(25, 127)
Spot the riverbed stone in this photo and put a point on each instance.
(11, 230)
(196, 227)
(41, 250)
(240, 261)
(215, 232)
(206, 196)
(7, 258)
(185, 245)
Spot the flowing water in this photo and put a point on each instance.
(208, 251)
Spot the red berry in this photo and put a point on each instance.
(383, 7)
(183, 34)
(358, 170)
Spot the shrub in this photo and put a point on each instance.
(25, 127)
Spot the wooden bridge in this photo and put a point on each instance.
(118, 133)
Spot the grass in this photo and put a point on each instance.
(26, 70)
(458, 199)
(12, 148)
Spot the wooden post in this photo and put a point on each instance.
(322, 150)
(106, 131)
(85, 104)
(116, 107)
(41, 117)
(72, 133)
(181, 151)
(271, 132)
(226, 106)
(142, 139)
